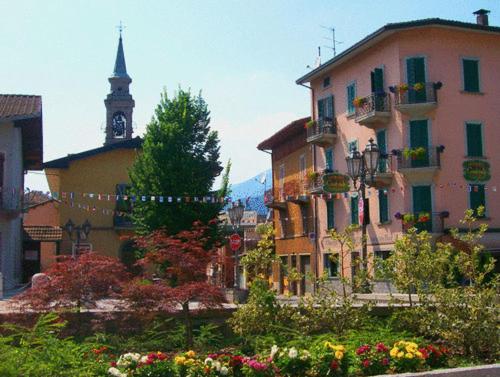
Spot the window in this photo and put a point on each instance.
(351, 94)
(281, 179)
(382, 146)
(474, 139)
(326, 108)
(331, 265)
(329, 159)
(377, 80)
(352, 145)
(330, 214)
(422, 203)
(383, 206)
(326, 82)
(354, 211)
(302, 167)
(470, 69)
(477, 197)
(380, 257)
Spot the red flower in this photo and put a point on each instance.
(113, 364)
(385, 361)
(366, 363)
(364, 348)
(382, 348)
(334, 365)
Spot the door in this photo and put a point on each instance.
(31, 259)
(305, 266)
(382, 146)
(377, 83)
(419, 138)
(415, 73)
(422, 202)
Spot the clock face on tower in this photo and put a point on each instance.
(118, 124)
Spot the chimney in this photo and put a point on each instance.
(482, 17)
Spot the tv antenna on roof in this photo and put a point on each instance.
(332, 39)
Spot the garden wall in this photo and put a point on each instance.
(479, 371)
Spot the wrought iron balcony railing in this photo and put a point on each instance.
(419, 93)
(421, 157)
(322, 131)
(373, 108)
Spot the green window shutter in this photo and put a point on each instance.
(378, 80)
(354, 211)
(477, 196)
(474, 140)
(382, 146)
(471, 75)
(321, 109)
(383, 206)
(330, 214)
(329, 158)
(422, 202)
(330, 107)
(419, 137)
(415, 70)
(351, 93)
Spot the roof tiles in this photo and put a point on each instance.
(16, 107)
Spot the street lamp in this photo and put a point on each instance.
(70, 228)
(362, 167)
(235, 213)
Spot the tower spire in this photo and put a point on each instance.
(120, 66)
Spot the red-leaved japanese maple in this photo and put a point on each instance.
(175, 274)
(76, 283)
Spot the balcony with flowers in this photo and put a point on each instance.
(322, 132)
(373, 110)
(417, 99)
(432, 222)
(420, 164)
(384, 174)
(295, 191)
(274, 199)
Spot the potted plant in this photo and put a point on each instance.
(418, 86)
(310, 124)
(359, 102)
(403, 88)
(423, 217)
(415, 153)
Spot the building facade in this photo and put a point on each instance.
(92, 185)
(21, 149)
(426, 93)
(293, 212)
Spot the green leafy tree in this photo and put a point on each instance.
(258, 262)
(180, 158)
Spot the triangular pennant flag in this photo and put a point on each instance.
(161, 199)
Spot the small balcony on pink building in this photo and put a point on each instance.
(295, 191)
(419, 165)
(416, 100)
(385, 173)
(322, 132)
(373, 110)
(275, 199)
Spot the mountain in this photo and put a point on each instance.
(251, 192)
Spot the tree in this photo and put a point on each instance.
(179, 159)
(175, 273)
(77, 283)
(258, 261)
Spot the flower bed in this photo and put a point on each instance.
(322, 359)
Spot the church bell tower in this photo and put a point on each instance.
(119, 102)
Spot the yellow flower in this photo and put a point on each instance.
(411, 349)
(338, 348)
(419, 355)
(180, 360)
(400, 355)
(190, 354)
(409, 356)
(394, 352)
(339, 355)
(328, 344)
(189, 362)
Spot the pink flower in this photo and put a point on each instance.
(385, 361)
(366, 363)
(364, 348)
(382, 348)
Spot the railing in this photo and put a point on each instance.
(419, 157)
(322, 126)
(417, 93)
(11, 199)
(123, 221)
(384, 164)
(373, 103)
(434, 224)
(315, 183)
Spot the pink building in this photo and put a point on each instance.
(427, 92)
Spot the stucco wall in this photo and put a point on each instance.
(10, 229)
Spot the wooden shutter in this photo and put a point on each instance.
(383, 206)
(422, 202)
(471, 75)
(354, 211)
(378, 80)
(2, 170)
(382, 146)
(477, 196)
(329, 158)
(330, 214)
(351, 93)
(330, 107)
(474, 140)
(415, 70)
(419, 137)
(321, 109)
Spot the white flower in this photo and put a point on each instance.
(208, 361)
(274, 350)
(143, 359)
(292, 353)
(224, 371)
(115, 372)
(305, 355)
(217, 365)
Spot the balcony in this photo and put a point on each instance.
(373, 110)
(434, 222)
(322, 132)
(275, 202)
(314, 183)
(416, 100)
(11, 203)
(419, 165)
(384, 175)
(295, 191)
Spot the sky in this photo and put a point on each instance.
(244, 57)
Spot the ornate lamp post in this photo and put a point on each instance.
(70, 228)
(235, 213)
(361, 167)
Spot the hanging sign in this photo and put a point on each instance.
(335, 183)
(476, 170)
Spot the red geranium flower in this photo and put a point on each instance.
(334, 365)
(366, 363)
